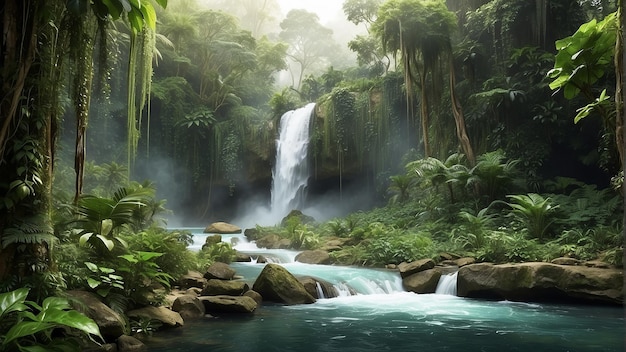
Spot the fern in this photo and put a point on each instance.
(32, 230)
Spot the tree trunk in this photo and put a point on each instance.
(459, 119)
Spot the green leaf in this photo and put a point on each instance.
(106, 227)
(84, 239)
(13, 301)
(26, 328)
(91, 266)
(107, 242)
(92, 282)
(51, 303)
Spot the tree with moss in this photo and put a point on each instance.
(420, 31)
(42, 43)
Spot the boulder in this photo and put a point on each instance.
(538, 281)
(255, 296)
(464, 261)
(268, 241)
(242, 257)
(215, 287)
(314, 285)
(565, 261)
(423, 281)
(192, 279)
(408, 269)
(229, 304)
(304, 219)
(189, 307)
(223, 228)
(276, 284)
(313, 257)
(251, 234)
(211, 240)
(219, 270)
(111, 324)
(128, 343)
(166, 316)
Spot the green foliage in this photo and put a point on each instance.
(101, 218)
(176, 259)
(140, 272)
(216, 252)
(536, 212)
(103, 279)
(27, 326)
(584, 57)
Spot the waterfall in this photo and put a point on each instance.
(291, 171)
(447, 284)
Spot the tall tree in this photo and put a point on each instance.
(420, 31)
(310, 43)
(38, 39)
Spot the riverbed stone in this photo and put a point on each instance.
(408, 269)
(565, 261)
(242, 257)
(277, 284)
(464, 261)
(189, 307)
(423, 281)
(313, 257)
(311, 285)
(255, 296)
(222, 228)
(538, 281)
(192, 279)
(228, 304)
(167, 317)
(111, 324)
(215, 287)
(127, 343)
(219, 270)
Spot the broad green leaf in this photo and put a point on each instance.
(107, 226)
(91, 266)
(13, 301)
(84, 238)
(26, 328)
(107, 242)
(92, 282)
(54, 303)
(149, 15)
(75, 320)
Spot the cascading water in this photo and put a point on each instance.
(291, 171)
(447, 284)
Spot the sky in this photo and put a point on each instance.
(327, 10)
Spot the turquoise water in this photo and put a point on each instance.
(384, 318)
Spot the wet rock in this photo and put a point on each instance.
(242, 257)
(223, 228)
(565, 261)
(229, 304)
(423, 281)
(539, 281)
(219, 271)
(166, 316)
(211, 240)
(313, 285)
(255, 296)
(276, 284)
(251, 234)
(215, 287)
(189, 307)
(127, 343)
(408, 269)
(111, 324)
(191, 279)
(313, 257)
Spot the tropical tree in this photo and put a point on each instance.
(39, 38)
(310, 43)
(421, 31)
